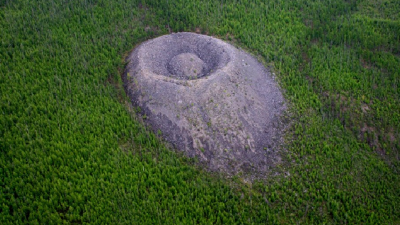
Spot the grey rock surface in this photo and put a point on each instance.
(209, 99)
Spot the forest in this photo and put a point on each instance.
(73, 150)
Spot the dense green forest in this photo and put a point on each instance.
(72, 151)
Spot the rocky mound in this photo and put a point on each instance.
(209, 99)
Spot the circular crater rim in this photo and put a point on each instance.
(169, 56)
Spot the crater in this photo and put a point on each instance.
(210, 100)
(174, 55)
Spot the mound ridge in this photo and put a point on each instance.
(209, 99)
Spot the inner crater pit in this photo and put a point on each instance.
(186, 65)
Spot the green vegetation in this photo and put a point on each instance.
(71, 150)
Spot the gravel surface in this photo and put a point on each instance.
(209, 99)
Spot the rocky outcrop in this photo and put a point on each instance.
(209, 99)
